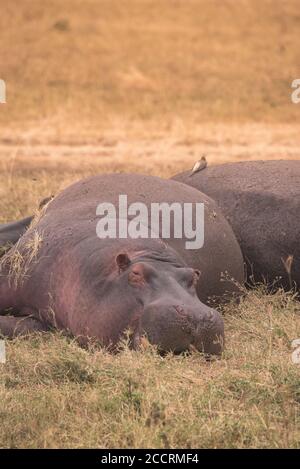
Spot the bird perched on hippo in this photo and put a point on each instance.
(60, 274)
(261, 201)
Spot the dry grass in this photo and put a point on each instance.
(18, 263)
(148, 86)
(91, 63)
(55, 394)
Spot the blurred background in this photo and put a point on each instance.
(146, 85)
(93, 61)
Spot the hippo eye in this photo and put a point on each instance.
(136, 277)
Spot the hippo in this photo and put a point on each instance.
(62, 275)
(261, 201)
(11, 232)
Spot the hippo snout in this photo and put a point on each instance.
(178, 327)
(206, 328)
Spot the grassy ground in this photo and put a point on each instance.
(55, 394)
(148, 86)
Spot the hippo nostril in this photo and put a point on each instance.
(193, 323)
(208, 335)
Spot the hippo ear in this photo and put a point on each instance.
(197, 275)
(123, 261)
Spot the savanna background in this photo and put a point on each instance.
(148, 86)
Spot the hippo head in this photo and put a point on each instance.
(171, 314)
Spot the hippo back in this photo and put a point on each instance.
(261, 200)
